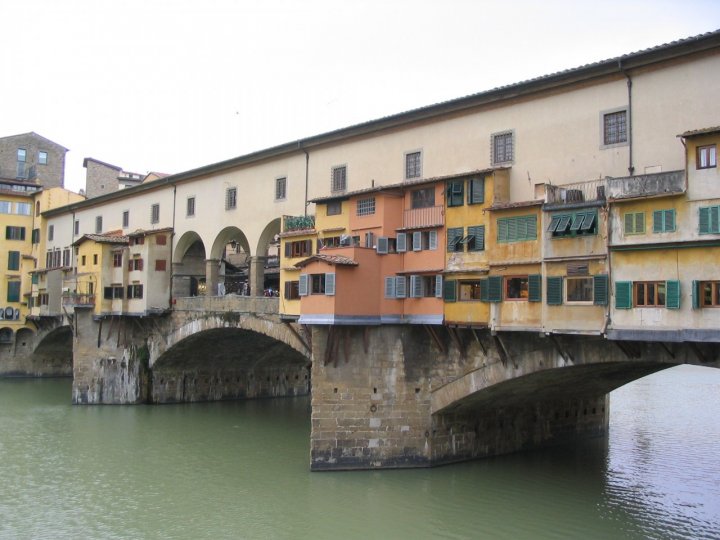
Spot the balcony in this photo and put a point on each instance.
(646, 185)
(73, 299)
(298, 223)
(416, 218)
(578, 192)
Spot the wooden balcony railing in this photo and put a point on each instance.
(432, 216)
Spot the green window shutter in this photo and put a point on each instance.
(600, 290)
(454, 235)
(484, 290)
(672, 294)
(695, 294)
(704, 220)
(13, 260)
(495, 284)
(658, 221)
(623, 294)
(476, 191)
(640, 222)
(478, 232)
(13, 291)
(669, 220)
(554, 291)
(450, 290)
(534, 288)
(502, 230)
(629, 224)
(531, 231)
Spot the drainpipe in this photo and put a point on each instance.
(307, 170)
(172, 242)
(687, 183)
(631, 167)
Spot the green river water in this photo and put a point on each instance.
(241, 470)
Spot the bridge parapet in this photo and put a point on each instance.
(230, 302)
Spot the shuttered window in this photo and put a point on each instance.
(663, 221)
(417, 241)
(495, 289)
(710, 220)
(634, 222)
(401, 242)
(401, 287)
(516, 229)
(534, 288)
(450, 290)
(416, 289)
(455, 192)
(382, 245)
(554, 290)
(390, 287)
(13, 291)
(13, 260)
(672, 294)
(330, 284)
(600, 290)
(623, 294)
(438, 286)
(432, 240)
(477, 242)
(476, 190)
(303, 285)
(454, 235)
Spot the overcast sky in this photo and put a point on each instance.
(170, 85)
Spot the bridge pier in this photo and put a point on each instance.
(406, 396)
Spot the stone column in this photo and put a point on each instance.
(212, 273)
(256, 276)
(180, 283)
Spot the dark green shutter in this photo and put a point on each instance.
(476, 191)
(623, 294)
(695, 294)
(495, 284)
(484, 290)
(600, 290)
(534, 288)
(672, 294)
(704, 220)
(658, 221)
(450, 290)
(554, 290)
(13, 260)
(13, 291)
(478, 232)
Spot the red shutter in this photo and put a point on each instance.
(140, 264)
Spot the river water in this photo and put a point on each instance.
(240, 470)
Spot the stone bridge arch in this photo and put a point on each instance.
(48, 352)
(227, 355)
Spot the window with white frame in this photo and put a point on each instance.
(413, 165)
(339, 178)
(707, 156)
(280, 188)
(366, 207)
(503, 146)
(42, 158)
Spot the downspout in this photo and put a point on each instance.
(631, 167)
(307, 176)
(172, 243)
(687, 173)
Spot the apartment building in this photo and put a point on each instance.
(32, 158)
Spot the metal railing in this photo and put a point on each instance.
(594, 190)
(431, 216)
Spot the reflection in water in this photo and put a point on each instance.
(240, 470)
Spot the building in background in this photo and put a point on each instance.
(33, 159)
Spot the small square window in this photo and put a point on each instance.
(707, 156)
(502, 148)
(280, 188)
(339, 178)
(614, 127)
(366, 207)
(42, 158)
(334, 208)
(516, 288)
(413, 165)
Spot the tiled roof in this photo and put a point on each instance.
(108, 238)
(330, 259)
(703, 131)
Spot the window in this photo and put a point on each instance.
(35, 236)
(66, 257)
(299, 248)
(454, 235)
(366, 207)
(42, 158)
(21, 155)
(135, 291)
(578, 224)
(14, 233)
(413, 165)
(708, 293)
(82, 261)
(13, 291)
(126, 219)
(51, 232)
(190, 209)
(77, 227)
(502, 147)
(709, 220)
(110, 293)
(634, 223)
(98, 224)
(292, 291)
(426, 286)
(649, 293)
(13, 260)
(37, 208)
(160, 265)
(516, 229)
(95, 259)
(138, 240)
(23, 209)
(516, 288)
(476, 190)
(117, 259)
(333, 208)
(663, 221)
(5, 207)
(422, 198)
(455, 192)
(579, 289)
(135, 264)
(339, 178)
(230, 198)
(317, 282)
(280, 189)
(469, 291)
(155, 213)
(614, 126)
(707, 156)
(161, 240)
